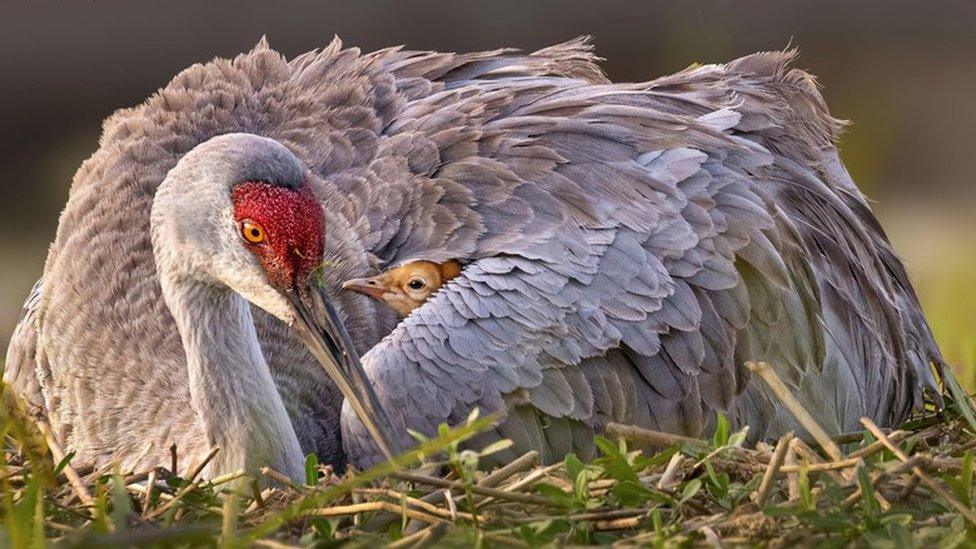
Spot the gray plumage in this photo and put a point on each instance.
(627, 248)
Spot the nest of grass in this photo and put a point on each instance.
(906, 486)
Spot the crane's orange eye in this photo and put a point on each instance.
(252, 231)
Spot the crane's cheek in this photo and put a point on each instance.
(280, 272)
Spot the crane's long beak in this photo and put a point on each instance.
(321, 329)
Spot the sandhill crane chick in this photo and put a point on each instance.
(406, 287)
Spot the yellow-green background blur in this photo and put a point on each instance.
(903, 71)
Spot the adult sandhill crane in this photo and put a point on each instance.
(626, 247)
(233, 220)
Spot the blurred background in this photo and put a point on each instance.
(904, 73)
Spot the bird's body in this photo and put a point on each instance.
(627, 248)
(406, 287)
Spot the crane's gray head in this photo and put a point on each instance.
(237, 212)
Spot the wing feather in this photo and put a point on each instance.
(629, 246)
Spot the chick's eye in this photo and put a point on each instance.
(415, 284)
(252, 232)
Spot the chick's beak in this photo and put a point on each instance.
(373, 286)
(320, 328)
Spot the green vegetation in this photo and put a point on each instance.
(914, 487)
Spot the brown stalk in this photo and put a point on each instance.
(524, 482)
(667, 480)
(877, 445)
(877, 479)
(792, 479)
(150, 484)
(159, 511)
(281, 478)
(372, 506)
(198, 468)
(69, 472)
(173, 461)
(922, 475)
(420, 538)
(480, 490)
(783, 393)
(605, 515)
(908, 489)
(523, 463)
(618, 524)
(812, 459)
(415, 502)
(647, 436)
(769, 478)
(822, 466)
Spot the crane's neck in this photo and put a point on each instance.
(231, 389)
